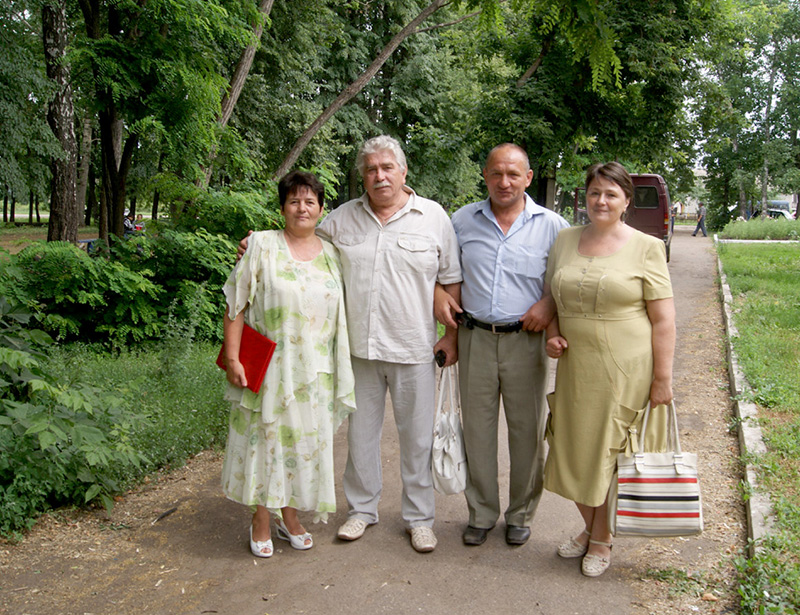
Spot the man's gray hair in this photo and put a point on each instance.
(380, 144)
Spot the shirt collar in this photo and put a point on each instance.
(412, 202)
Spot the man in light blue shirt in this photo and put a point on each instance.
(504, 242)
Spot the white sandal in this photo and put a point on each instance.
(595, 565)
(297, 541)
(260, 548)
(572, 548)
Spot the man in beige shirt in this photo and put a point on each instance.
(394, 246)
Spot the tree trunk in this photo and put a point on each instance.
(83, 168)
(765, 170)
(38, 215)
(30, 208)
(355, 87)
(91, 197)
(240, 73)
(102, 210)
(546, 44)
(13, 212)
(5, 205)
(63, 225)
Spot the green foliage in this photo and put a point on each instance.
(765, 285)
(175, 385)
(189, 268)
(769, 581)
(88, 298)
(59, 444)
(234, 213)
(26, 141)
(758, 228)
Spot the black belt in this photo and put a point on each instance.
(470, 323)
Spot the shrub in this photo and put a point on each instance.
(234, 213)
(59, 444)
(189, 268)
(88, 298)
(758, 228)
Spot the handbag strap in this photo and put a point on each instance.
(673, 439)
(448, 388)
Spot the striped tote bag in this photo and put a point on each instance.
(656, 494)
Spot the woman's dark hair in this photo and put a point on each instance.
(612, 171)
(294, 180)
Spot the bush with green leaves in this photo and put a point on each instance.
(234, 213)
(189, 268)
(762, 228)
(60, 443)
(93, 299)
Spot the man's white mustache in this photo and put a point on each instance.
(383, 184)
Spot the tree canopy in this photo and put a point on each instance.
(183, 98)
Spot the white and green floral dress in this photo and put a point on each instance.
(280, 441)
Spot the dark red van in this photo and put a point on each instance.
(650, 212)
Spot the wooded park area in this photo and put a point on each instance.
(110, 105)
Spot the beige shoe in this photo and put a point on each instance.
(595, 565)
(422, 539)
(572, 548)
(352, 529)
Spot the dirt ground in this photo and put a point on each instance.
(175, 545)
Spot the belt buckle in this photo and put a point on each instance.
(494, 329)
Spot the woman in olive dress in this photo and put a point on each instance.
(614, 336)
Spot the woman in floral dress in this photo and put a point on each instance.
(279, 454)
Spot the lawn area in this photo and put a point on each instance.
(765, 284)
(14, 237)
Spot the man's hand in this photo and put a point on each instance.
(242, 246)
(449, 345)
(539, 315)
(445, 307)
(555, 346)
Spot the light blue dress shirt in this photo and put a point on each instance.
(503, 275)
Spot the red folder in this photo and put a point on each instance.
(255, 353)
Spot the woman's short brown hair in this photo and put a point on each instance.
(295, 180)
(612, 171)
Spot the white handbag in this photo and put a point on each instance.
(656, 494)
(448, 459)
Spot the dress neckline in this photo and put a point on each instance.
(593, 256)
(299, 260)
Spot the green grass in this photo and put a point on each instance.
(762, 229)
(179, 391)
(765, 284)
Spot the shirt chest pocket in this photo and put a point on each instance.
(530, 263)
(353, 248)
(414, 253)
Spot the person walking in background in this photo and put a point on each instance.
(279, 453)
(701, 221)
(504, 242)
(614, 338)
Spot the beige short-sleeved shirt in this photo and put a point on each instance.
(389, 275)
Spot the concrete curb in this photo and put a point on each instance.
(757, 502)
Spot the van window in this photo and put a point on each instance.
(645, 197)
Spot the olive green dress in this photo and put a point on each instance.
(603, 379)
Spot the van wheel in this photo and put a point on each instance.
(668, 247)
